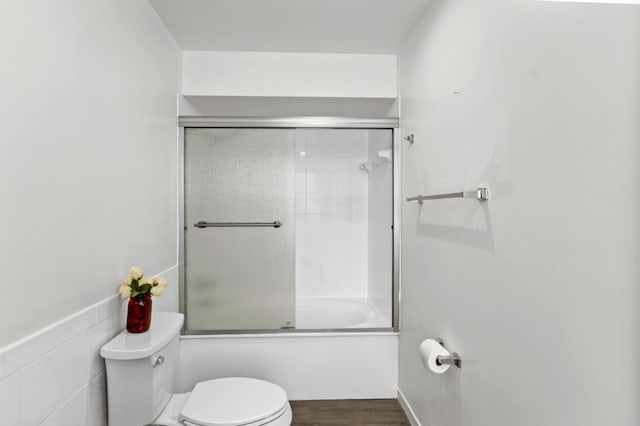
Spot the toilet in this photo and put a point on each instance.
(141, 370)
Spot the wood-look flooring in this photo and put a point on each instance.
(350, 412)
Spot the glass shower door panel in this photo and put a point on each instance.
(239, 278)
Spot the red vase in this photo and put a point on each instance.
(139, 313)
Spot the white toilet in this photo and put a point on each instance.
(141, 369)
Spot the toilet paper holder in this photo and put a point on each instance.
(453, 359)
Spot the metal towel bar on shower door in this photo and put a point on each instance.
(203, 224)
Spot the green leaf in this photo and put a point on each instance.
(144, 289)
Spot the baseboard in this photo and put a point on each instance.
(407, 409)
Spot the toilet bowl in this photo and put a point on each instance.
(141, 370)
(230, 401)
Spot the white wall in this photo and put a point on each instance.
(539, 101)
(208, 73)
(88, 180)
(88, 154)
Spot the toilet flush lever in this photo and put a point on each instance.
(158, 362)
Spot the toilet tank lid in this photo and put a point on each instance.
(164, 327)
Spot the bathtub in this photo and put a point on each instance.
(319, 364)
(330, 313)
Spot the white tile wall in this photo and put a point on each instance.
(96, 403)
(74, 364)
(46, 377)
(56, 376)
(10, 390)
(51, 420)
(40, 390)
(98, 335)
(74, 412)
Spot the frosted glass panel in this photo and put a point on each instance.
(332, 216)
(239, 278)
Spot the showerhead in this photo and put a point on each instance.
(385, 157)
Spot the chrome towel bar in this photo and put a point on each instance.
(481, 194)
(203, 224)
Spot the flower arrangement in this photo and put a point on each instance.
(136, 284)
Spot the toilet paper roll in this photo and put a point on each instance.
(429, 350)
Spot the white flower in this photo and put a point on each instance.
(135, 272)
(144, 281)
(125, 291)
(160, 281)
(157, 290)
(154, 285)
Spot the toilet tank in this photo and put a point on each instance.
(141, 370)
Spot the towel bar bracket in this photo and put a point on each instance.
(453, 359)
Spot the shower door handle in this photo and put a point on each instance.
(203, 224)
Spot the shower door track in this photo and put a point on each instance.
(391, 123)
(289, 122)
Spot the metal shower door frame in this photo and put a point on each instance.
(392, 124)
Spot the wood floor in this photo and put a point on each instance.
(361, 412)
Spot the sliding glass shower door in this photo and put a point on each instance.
(239, 229)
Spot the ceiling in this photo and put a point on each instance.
(318, 26)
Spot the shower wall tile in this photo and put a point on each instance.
(301, 222)
(329, 183)
(314, 203)
(329, 204)
(331, 219)
(313, 223)
(311, 183)
(56, 376)
(301, 178)
(301, 203)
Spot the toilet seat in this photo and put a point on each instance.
(234, 401)
(265, 421)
